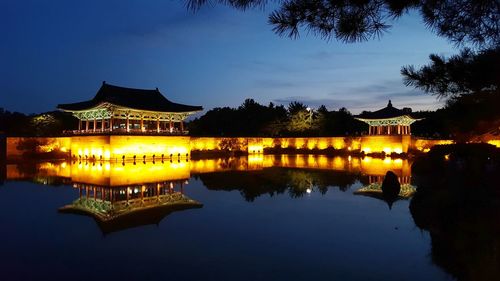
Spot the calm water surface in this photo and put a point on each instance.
(262, 218)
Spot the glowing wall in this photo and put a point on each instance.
(387, 144)
(258, 145)
(17, 146)
(350, 143)
(123, 147)
(425, 145)
(204, 144)
(118, 148)
(495, 143)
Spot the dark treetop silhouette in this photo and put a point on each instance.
(460, 21)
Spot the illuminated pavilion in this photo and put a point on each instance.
(117, 109)
(388, 121)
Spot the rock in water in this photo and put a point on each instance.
(390, 188)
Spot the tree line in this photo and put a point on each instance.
(254, 119)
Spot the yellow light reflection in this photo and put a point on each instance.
(129, 173)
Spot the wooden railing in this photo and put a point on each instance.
(124, 132)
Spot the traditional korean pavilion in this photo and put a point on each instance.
(117, 109)
(388, 121)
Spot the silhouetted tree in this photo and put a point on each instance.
(465, 73)
(340, 123)
(249, 119)
(300, 121)
(460, 21)
(252, 119)
(216, 122)
(295, 107)
(470, 82)
(44, 124)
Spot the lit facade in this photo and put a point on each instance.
(120, 110)
(388, 121)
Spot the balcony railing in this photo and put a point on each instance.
(121, 131)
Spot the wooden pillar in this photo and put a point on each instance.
(182, 126)
(128, 124)
(409, 130)
(142, 124)
(95, 124)
(170, 126)
(79, 124)
(158, 125)
(111, 123)
(102, 124)
(86, 125)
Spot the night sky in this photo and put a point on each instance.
(60, 52)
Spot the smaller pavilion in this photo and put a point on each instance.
(116, 110)
(388, 121)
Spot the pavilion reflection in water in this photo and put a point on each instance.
(111, 192)
(125, 196)
(118, 208)
(374, 187)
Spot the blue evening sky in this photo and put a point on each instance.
(60, 52)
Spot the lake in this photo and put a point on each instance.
(298, 217)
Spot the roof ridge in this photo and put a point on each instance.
(128, 88)
(143, 99)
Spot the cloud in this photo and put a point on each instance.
(359, 102)
(274, 83)
(380, 88)
(327, 55)
(316, 102)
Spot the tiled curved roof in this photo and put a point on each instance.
(151, 100)
(385, 113)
